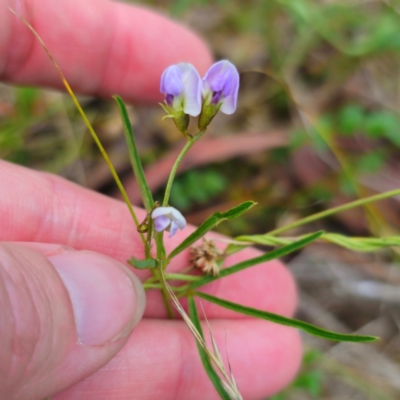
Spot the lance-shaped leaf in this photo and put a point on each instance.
(267, 240)
(282, 251)
(295, 323)
(212, 374)
(360, 244)
(233, 248)
(134, 157)
(210, 223)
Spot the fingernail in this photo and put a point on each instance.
(107, 298)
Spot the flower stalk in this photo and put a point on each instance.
(334, 210)
(175, 167)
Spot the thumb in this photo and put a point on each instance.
(63, 315)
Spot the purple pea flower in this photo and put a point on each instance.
(181, 85)
(221, 85)
(220, 91)
(168, 218)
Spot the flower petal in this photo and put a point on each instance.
(192, 89)
(222, 77)
(172, 81)
(214, 76)
(165, 217)
(162, 211)
(173, 228)
(161, 222)
(178, 218)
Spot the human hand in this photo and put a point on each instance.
(65, 313)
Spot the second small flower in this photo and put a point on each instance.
(168, 218)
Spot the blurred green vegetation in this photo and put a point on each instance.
(36, 129)
(197, 187)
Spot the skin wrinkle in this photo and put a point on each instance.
(20, 344)
(51, 187)
(54, 212)
(50, 321)
(179, 386)
(38, 287)
(48, 225)
(184, 350)
(98, 75)
(17, 342)
(109, 65)
(27, 210)
(19, 33)
(34, 286)
(6, 314)
(133, 50)
(63, 211)
(175, 334)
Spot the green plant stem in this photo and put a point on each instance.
(148, 286)
(176, 277)
(335, 210)
(164, 291)
(147, 246)
(159, 236)
(182, 154)
(158, 272)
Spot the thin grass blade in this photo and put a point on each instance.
(294, 323)
(212, 374)
(134, 157)
(360, 244)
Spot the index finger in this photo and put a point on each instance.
(102, 47)
(40, 207)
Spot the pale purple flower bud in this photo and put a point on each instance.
(221, 86)
(181, 85)
(168, 218)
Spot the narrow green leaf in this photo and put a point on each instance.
(266, 240)
(214, 378)
(210, 223)
(142, 264)
(360, 244)
(295, 323)
(282, 251)
(234, 248)
(134, 157)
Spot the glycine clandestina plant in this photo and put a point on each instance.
(186, 94)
